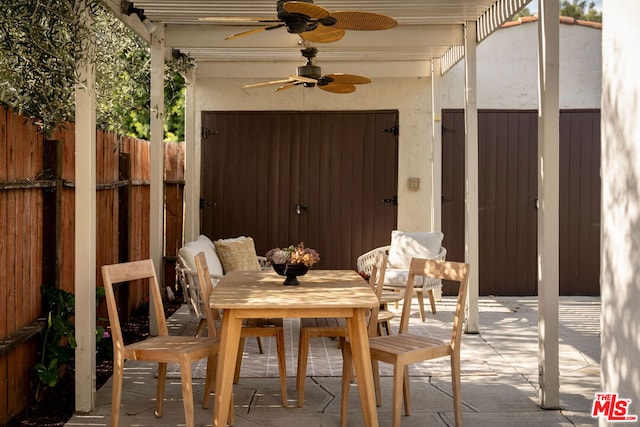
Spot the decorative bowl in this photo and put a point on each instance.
(291, 272)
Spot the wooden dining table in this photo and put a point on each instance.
(321, 293)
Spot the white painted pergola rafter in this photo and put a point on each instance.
(496, 14)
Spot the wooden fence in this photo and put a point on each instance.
(37, 211)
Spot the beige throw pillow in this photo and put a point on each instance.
(237, 255)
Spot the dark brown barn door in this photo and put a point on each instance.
(312, 177)
(507, 199)
(580, 202)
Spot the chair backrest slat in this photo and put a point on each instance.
(206, 287)
(131, 272)
(447, 270)
(377, 281)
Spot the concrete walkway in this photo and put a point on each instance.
(499, 382)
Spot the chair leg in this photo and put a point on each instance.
(420, 297)
(398, 382)
(162, 375)
(260, 347)
(456, 388)
(236, 374)
(187, 390)
(301, 374)
(116, 390)
(376, 381)
(406, 392)
(212, 363)
(347, 376)
(432, 301)
(282, 365)
(231, 418)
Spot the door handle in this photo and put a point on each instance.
(393, 200)
(205, 203)
(300, 208)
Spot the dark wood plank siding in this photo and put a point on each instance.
(507, 216)
(580, 203)
(507, 194)
(453, 164)
(257, 166)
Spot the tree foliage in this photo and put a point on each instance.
(578, 9)
(39, 50)
(39, 53)
(123, 83)
(523, 13)
(575, 8)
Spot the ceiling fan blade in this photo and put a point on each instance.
(227, 19)
(308, 9)
(303, 79)
(273, 82)
(323, 34)
(254, 31)
(245, 33)
(287, 86)
(338, 88)
(341, 78)
(363, 21)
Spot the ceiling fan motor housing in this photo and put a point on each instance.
(296, 23)
(311, 71)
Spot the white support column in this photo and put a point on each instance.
(156, 218)
(436, 144)
(471, 175)
(85, 235)
(192, 162)
(549, 205)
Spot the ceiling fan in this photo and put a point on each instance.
(312, 22)
(310, 75)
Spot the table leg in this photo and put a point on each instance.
(229, 340)
(362, 363)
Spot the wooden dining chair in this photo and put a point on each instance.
(376, 280)
(404, 349)
(250, 327)
(331, 327)
(163, 348)
(328, 328)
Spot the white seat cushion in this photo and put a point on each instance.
(204, 239)
(407, 245)
(397, 277)
(213, 262)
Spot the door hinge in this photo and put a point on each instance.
(394, 130)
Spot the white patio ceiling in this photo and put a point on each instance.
(426, 29)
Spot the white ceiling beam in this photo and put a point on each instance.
(268, 70)
(211, 36)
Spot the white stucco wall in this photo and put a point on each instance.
(508, 70)
(620, 275)
(411, 96)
